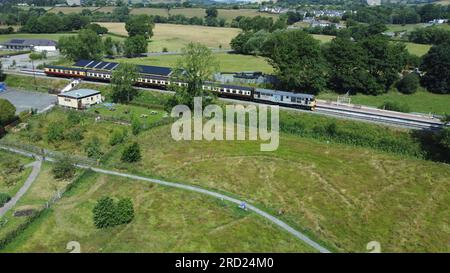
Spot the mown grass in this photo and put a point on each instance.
(421, 101)
(344, 195)
(166, 220)
(227, 62)
(128, 112)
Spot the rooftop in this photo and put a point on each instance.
(30, 42)
(80, 93)
(109, 66)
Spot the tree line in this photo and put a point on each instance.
(359, 60)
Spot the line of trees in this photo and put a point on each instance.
(359, 60)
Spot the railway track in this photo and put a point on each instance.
(354, 112)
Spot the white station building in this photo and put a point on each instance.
(80, 98)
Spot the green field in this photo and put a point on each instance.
(227, 62)
(11, 182)
(421, 101)
(343, 195)
(174, 37)
(42, 189)
(166, 220)
(50, 36)
(127, 112)
(417, 49)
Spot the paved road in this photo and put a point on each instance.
(269, 217)
(34, 173)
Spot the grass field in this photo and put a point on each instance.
(344, 195)
(166, 220)
(417, 49)
(42, 189)
(421, 101)
(127, 112)
(227, 62)
(174, 37)
(68, 10)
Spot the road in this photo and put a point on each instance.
(36, 165)
(200, 190)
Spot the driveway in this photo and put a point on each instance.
(25, 100)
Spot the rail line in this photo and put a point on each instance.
(361, 113)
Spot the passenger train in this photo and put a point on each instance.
(159, 77)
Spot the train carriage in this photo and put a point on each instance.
(159, 77)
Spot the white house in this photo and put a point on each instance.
(79, 98)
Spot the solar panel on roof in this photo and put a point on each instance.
(17, 41)
(156, 70)
(82, 63)
(92, 64)
(110, 66)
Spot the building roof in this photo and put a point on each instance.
(79, 93)
(144, 69)
(29, 42)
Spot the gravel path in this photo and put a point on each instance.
(269, 217)
(34, 173)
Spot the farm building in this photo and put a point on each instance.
(80, 98)
(29, 44)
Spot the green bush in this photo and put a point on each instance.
(92, 148)
(408, 84)
(55, 132)
(75, 134)
(132, 153)
(108, 213)
(117, 137)
(136, 126)
(4, 198)
(395, 106)
(7, 112)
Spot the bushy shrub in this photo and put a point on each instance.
(55, 132)
(75, 134)
(136, 126)
(92, 148)
(108, 213)
(73, 118)
(117, 137)
(132, 153)
(395, 106)
(4, 198)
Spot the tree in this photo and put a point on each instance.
(121, 13)
(122, 81)
(2, 75)
(297, 59)
(135, 45)
(132, 153)
(140, 25)
(87, 45)
(136, 126)
(408, 84)
(104, 213)
(108, 213)
(211, 12)
(108, 45)
(125, 211)
(97, 28)
(196, 66)
(238, 42)
(348, 66)
(436, 65)
(64, 168)
(7, 111)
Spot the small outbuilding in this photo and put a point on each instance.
(80, 98)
